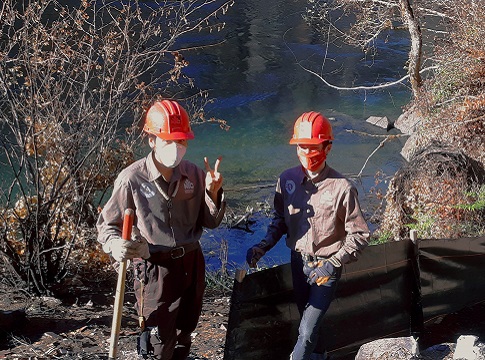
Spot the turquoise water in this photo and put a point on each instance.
(260, 90)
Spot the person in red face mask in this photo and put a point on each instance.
(318, 210)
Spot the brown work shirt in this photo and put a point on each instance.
(167, 214)
(320, 217)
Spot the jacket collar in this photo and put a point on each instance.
(320, 177)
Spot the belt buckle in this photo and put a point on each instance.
(306, 257)
(173, 252)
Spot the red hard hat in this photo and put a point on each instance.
(311, 128)
(168, 120)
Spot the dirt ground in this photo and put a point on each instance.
(79, 326)
(48, 328)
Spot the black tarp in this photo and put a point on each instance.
(452, 274)
(263, 320)
(384, 294)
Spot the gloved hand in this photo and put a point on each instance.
(322, 272)
(121, 249)
(256, 252)
(308, 267)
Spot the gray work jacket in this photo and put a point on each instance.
(165, 223)
(320, 217)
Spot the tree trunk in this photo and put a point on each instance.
(415, 54)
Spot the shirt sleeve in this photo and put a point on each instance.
(213, 214)
(277, 228)
(110, 221)
(355, 227)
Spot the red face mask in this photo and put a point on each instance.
(312, 159)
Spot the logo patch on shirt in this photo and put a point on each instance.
(147, 190)
(326, 198)
(188, 186)
(290, 186)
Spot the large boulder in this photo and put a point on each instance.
(402, 348)
(409, 121)
(454, 126)
(405, 348)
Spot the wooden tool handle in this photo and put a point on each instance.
(120, 288)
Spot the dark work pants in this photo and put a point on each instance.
(172, 303)
(313, 302)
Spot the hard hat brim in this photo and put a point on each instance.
(175, 136)
(306, 141)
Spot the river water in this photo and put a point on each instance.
(256, 77)
(260, 89)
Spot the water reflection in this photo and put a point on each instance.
(260, 90)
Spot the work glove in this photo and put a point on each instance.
(323, 271)
(121, 249)
(308, 267)
(256, 252)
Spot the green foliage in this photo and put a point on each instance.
(424, 224)
(476, 207)
(478, 200)
(381, 238)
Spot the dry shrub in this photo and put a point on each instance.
(74, 82)
(430, 194)
(437, 193)
(453, 101)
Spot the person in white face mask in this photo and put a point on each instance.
(173, 201)
(168, 153)
(318, 210)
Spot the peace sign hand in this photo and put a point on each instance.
(213, 178)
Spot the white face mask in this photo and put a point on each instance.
(169, 154)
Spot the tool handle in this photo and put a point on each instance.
(128, 224)
(120, 288)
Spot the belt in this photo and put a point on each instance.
(308, 257)
(175, 253)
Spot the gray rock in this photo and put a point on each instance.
(380, 121)
(409, 148)
(466, 348)
(402, 348)
(409, 121)
(405, 348)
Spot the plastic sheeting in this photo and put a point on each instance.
(373, 300)
(452, 274)
(384, 294)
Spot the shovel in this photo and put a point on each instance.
(120, 288)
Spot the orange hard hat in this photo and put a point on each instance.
(311, 128)
(168, 120)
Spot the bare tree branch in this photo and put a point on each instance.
(74, 82)
(361, 22)
(381, 144)
(373, 87)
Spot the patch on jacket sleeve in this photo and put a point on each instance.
(290, 186)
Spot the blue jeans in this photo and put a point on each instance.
(313, 302)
